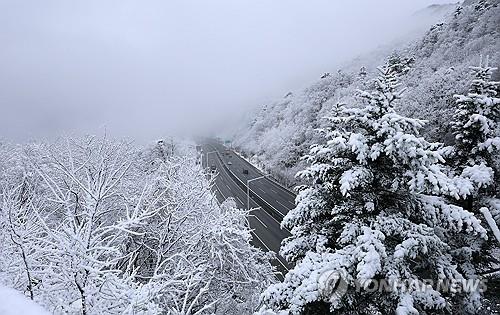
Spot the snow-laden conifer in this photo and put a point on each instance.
(373, 209)
(475, 159)
(476, 126)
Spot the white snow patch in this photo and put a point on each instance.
(14, 302)
(491, 222)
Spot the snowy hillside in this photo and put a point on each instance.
(282, 132)
(435, 11)
(397, 211)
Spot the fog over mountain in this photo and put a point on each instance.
(345, 158)
(282, 131)
(149, 68)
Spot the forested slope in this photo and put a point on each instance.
(283, 131)
(396, 214)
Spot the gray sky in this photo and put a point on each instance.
(147, 68)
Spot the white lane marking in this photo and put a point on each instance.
(228, 187)
(266, 213)
(261, 190)
(274, 191)
(220, 192)
(277, 256)
(255, 234)
(273, 207)
(282, 205)
(240, 200)
(279, 223)
(253, 192)
(254, 216)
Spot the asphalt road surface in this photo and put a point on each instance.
(269, 200)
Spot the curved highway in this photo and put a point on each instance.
(269, 200)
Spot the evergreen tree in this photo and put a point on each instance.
(482, 5)
(399, 65)
(475, 156)
(475, 123)
(373, 211)
(362, 72)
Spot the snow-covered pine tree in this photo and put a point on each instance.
(476, 126)
(362, 72)
(398, 64)
(476, 120)
(372, 211)
(362, 77)
(482, 5)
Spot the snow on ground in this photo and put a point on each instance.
(13, 302)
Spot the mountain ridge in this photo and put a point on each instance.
(282, 132)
